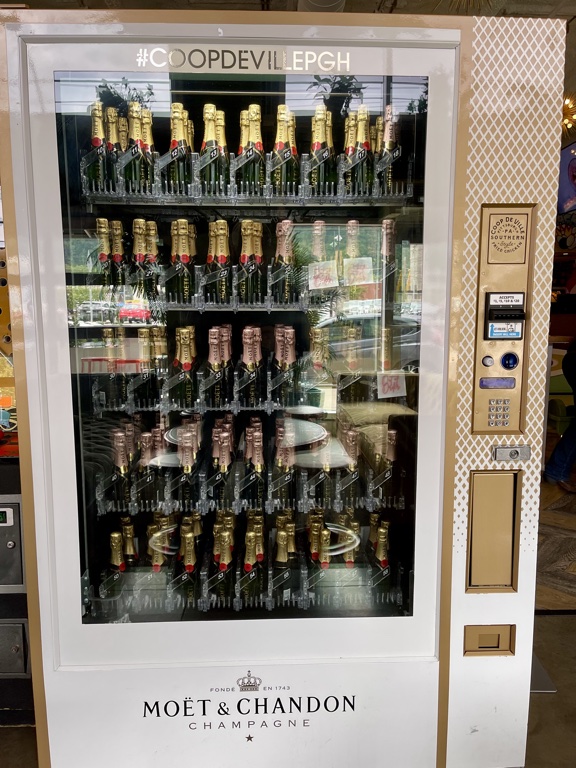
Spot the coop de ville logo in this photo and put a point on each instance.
(249, 705)
(238, 59)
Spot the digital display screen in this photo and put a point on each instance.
(500, 382)
(3, 517)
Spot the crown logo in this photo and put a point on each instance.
(249, 683)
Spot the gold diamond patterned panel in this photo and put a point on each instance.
(516, 98)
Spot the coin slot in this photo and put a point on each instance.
(488, 641)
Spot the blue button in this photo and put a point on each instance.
(509, 361)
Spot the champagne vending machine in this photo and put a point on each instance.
(279, 289)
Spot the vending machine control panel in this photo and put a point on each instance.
(501, 333)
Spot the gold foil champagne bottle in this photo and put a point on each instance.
(213, 395)
(120, 360)
(319, 152)
(223, 259)
(247, 262)
(190, 135)
(96, 171)
(139, 254)
(187, 462)
(108, 383)
(209, 156)
(121, 486)
(152, 269)
(185, 258)
(257, 288)
(379, 142)
(389, 146)
(133, 171)
(259, 470)
(363, 171)
(146, 393)
(332, 162)
(282, 153)
(113, 148)
(324, 556)
(118, 258)
(244, 172)
(185, 129)
(282, 572)
(189, 552)
(257, 173)
(128, 545)
(116, 562)
(104, 249)
(180, 284)
(223, 154)
(177, 175)
(294, 173)
(184, 360)
(123, 132)
(148, 150)
(350, 149)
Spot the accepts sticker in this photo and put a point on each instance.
(391, 384)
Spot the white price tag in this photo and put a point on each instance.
(358, 271)
(323, 274)
(506, 299)
(391, 384)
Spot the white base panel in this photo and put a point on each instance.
(388, 717)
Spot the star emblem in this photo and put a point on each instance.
(249, 738)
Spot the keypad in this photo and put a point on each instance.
(499, 412)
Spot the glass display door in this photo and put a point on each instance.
(245, 323)
(250, 290)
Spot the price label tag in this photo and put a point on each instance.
(391, 384)
(324, 274)
(358, 271)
